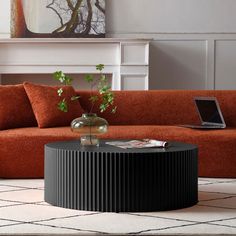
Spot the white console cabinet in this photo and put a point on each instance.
(127, 60)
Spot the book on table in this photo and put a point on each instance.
(144, 143)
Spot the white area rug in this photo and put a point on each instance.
(24, 212)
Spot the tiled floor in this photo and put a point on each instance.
(23, 211)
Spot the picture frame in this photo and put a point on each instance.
(58, 18)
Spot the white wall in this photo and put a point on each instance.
(194, 41)
(4, 18)
(171, 16)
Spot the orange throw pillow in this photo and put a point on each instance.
(44, 100)
(15, 108)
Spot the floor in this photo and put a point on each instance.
(23, 211)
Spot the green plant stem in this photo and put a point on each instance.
(90, 135)
(91, 88)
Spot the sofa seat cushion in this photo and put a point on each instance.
(217, 152)
(22, 150)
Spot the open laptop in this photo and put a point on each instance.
(209, 112)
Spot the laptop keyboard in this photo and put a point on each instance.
(202, 126)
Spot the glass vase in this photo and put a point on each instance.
(89, 126)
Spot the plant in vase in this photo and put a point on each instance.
(89, 126)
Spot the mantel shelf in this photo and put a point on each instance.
(74, 40)
(126, 59)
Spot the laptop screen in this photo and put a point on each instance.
(208, 111)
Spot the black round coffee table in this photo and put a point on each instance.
(111, 179)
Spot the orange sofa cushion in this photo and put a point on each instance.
(15, 108)
(44, 100)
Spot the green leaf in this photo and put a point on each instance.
(114, 110)
(88, 78)
(62, 106)
(57, 75)
(62, 78)
(110, 99)
(100, 67)
(103, 107)
(93, 99)
(104, 89)
(75, 98)
(67, 80)
(60, 92)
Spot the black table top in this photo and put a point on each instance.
(74, 145)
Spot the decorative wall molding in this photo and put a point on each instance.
(197, 61)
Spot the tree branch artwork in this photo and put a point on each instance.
(58, 18)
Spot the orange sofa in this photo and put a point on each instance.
(140, 114)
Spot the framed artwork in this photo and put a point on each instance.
(57, 18)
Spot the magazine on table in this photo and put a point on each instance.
(144, 143)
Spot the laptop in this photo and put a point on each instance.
(210, 114)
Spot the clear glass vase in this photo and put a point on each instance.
(89, 126)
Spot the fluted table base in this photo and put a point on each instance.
(111, 179)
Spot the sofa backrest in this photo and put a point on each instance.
(162, 107)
